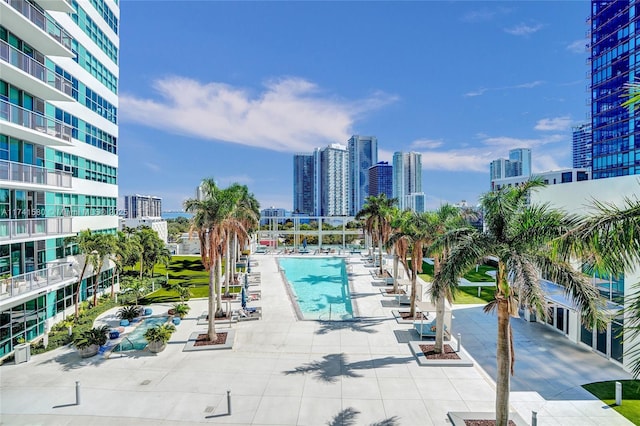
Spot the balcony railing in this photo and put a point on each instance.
(34, 68)
(36, 280)
(42, 21)
(18, 172)
(35, 121)
(26, 228)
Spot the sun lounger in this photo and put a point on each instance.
(426, 328)
(249, 313)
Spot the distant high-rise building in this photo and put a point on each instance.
(304, 188)
(582, 146)
(334, 185)
(381, 179)
(137, 206)
(613, 66)
(416, 202)
(520, 162)
(363, 153)
(407, 176)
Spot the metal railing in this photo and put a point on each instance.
(35, 121)
(36, 280)
(25, 228)
(19, 172)
(42, 21)
(34, 68)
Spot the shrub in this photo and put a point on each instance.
(159, 333)
(94, 336)
(129, 312)
(181, 309)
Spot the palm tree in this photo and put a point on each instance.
(609, 240)
(417, 230)
(210, 214)
(376, 214)
(104, 245)
(518, 236)
(86, 243)
(449, 227)
(399, 246)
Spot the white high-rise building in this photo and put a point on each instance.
(334, 184)
(58, 155)
(138, 206)
(363, 153)
(407, 177)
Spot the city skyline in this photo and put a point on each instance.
(282, 78)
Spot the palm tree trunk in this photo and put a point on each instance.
(439, 343)
(503, 355)
(141, 263)
(414, 276)
(380, 254)
(211, 328)
(228, 273)
(84, 269)
(218, 284)
(95, 283)
(395, 273)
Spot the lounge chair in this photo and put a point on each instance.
(249, 313)
(427, 328)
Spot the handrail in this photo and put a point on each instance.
(42, 21)
(28, 173)
(34, 68)
(35, 121)
(36, 280)
(24, 228)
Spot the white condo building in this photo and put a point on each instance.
(334, 184)
(58, 155)
(407, 178)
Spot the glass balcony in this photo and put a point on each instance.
(35, 69)
(25, 173)
(35, 121)
(27, 228)
(36, 280)
(42, 21)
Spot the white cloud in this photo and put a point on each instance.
(478, 16)
(225, 181)
(523, 29)
(578, 46)
(483, 90)
(152, 166)
(427, 143)
(554, 124)
(290, 114)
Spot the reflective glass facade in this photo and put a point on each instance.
(614, 63)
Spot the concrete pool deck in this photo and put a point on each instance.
(282, 371)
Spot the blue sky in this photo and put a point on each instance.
(231, 90)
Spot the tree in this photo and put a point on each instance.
(87, 247)
(104, 246)
(518, 236)
(449, 227)
(399, 246)
(376, 214)
(209, 215)
(417, 230)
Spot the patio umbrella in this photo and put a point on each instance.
(243, 298)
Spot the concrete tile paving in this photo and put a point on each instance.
(282, 371)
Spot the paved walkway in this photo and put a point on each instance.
(281, 371)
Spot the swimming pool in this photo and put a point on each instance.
(319, 286)
(135, 341)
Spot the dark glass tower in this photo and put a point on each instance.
(613, 65)
(381, 179)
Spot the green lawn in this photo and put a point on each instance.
(606, 391)
(186, 271)
(472, 275)
(469, 295)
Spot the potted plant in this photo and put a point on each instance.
(180, 309)
(129, 313)
(158, 337)
(89, 341)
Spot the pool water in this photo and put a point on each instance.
(319, 286)
(135, 341)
